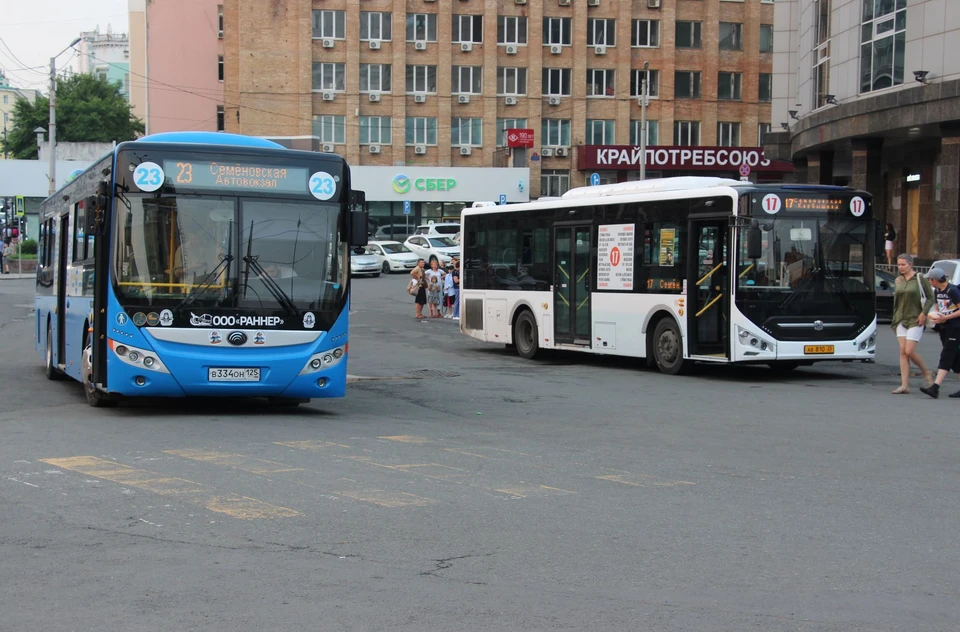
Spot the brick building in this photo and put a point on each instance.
(436, 84)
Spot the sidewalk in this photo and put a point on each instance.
(14, 275)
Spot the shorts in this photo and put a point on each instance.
(950, 355)
(888, 245)
(913, 333)
(421, 297)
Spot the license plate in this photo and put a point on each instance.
(818, 349)
(233, 375)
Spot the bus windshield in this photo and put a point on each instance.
(217, 251)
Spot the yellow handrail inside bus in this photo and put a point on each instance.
(747, 269)
(709, 305)
(710, 274)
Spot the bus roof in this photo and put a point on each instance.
(681, 183)
(210, 138)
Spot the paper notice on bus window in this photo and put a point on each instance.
(668, 238)
(615, 245)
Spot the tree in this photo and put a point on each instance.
(89, 109)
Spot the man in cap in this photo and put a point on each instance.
(946, 317)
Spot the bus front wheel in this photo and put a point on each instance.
(526, 335)
(95, 397)
(668, 348)
(52, 372)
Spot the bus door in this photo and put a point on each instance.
(571, 283)
(708, 287)
(63, 240)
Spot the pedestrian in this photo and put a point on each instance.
(434, 288)
(912, 300)
(456, 288)
(889, 235)
(449, 294)
(7, 254)
(945, 319)
(419, 283)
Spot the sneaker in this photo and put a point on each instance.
(933, 390)
(954, 395)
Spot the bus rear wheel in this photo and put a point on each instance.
(95, 397)
(52, 372)
(668, 348)
(526, 335)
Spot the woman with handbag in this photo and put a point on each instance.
(912, 299)
(418, 287)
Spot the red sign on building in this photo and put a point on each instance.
(517, 137)
(627, 157)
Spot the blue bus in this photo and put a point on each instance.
(200, 264)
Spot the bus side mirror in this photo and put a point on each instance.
(754, 243)
(358, 228)
(94, 215)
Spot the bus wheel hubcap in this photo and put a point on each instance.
(668, 346)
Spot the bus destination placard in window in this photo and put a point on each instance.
(234, 176)
(615, 245)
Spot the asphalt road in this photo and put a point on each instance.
(458, 487)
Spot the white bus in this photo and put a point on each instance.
(677, 270)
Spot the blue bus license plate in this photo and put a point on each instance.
(233, 375)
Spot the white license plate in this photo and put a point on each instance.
(233, 375)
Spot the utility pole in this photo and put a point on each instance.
(643, 121)
(52, 132)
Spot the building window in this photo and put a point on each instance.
(329, 24)
(220, 119)
(220, 67)
(330, 129)
(555, 132)
(601, 32)
(883, 36)
(511, 81)
(600, 82)
(762, 130)
(554, 182)
(421, 130)
(466, 131)
(467, 28)
(731, 36)
(822, 15)
(556, 31)
(328, 76)
(556, 82)
(376, 130)
(421, 27)
(376, 26)
(503, 124)
(421, 79)
(375, 78)
(645, 33)
(686, 133)
(728, 85)
(766, 38)
(688, 35)
(653, 132)
(765, 88)
(636, 83)
(686, 84)
(600, 132)
(821, 53)
(6, 99)
(728, 134)
(466, 80)
(511, 30)
(220, 21)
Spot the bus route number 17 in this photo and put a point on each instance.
(771, 203)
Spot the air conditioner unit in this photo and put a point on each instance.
(328, 43)
(463, 98)
(520, 1)
(593, 3)
(419, 98)
(466, 151)
(328, 148)
(374, 98)
(556, 49)
(466, 47)
(554, 101)
(374, 44)
(511, 49)
(374, 149)
(510, 101)
(546, 152)
(564, 3)
(600, 50)
(420, 45)
(653, 4)
(420, 149)
(328, 96)
(561, 151)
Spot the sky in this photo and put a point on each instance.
(31, 31)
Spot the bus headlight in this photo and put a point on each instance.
(139, 358)
(754, 342)
(324, 360)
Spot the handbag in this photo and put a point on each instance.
(413, 287)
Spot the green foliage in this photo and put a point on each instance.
(28, 246)
(89, 109)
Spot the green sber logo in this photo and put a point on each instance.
(401, 184)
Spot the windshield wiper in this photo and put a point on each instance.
(282, 297)
(204, 282)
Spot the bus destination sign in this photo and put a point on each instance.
(193, 174)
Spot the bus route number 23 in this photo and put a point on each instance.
(148, 176)
(322, 185)
(184, 173)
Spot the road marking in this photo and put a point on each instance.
(233, 505)
(641, 480)
(408, 439)
(237, 461)
(385, 498)
(525, 491)
(17, 480)
(310, 445)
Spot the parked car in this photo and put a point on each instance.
(442, 229)
(885, 283)
(363, 263)
(392, 232)
(441, 249)
(392, 256)
(951, 267)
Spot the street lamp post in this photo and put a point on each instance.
(643, 121)
(52, 134)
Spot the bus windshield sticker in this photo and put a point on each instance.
(322, 185)
(615, 248)
(857, 206)
(148, 176)
(236, 176)
(771, 203)
(667, 246)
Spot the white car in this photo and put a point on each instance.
(440, 249)
(392, 256)
(442, 229)
(363, 263)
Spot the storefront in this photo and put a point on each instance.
(621, 163)
(404, 197)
